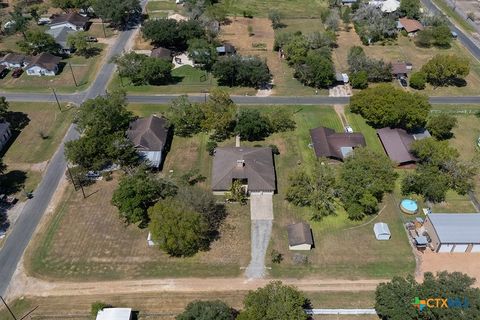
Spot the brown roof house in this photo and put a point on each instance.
(399, 69)
(150, 136)
(43, 64)
(409, 25)
(70, 20)
(328, 143)
(396, 143)
(15, 60)
(299, 236)
(253, 166)
(161, 53)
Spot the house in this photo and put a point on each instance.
(386, 6)
(381, 230)
(44, 64)
(299, 236)
(253, 166)
(453, 232)
(5, 134)
(399, 69)
(328, 143)
(61, 38)
(70, 20)
(396, 143)
(15, 60)
(226, 50)
(411, 26)
(341, 77)
(149, 136)
(114, 314)
(161, 53)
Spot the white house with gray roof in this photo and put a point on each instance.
(453, 232)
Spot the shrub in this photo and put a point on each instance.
(276, 256)
(359, 80)
(211, 145)
(97, 306)
(418, 80)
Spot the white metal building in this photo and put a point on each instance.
(114, 314)
(382, 232)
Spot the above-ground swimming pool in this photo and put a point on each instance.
(409, 206)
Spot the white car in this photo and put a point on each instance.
(9, 24)
(348, 129)
(43, 21)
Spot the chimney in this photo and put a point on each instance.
(240, 163)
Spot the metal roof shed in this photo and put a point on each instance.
(382, 232)
(114, 314)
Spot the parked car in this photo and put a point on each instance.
(348, 129)
(17, 72)
(403, 82)
(43, 21)
(93, 175)
(91, 39)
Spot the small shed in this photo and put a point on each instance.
(382, 232)
(299, 236)
(226, 50)
(114, 314)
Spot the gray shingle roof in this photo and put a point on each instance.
(456, 227)
(253, 164)
(148, 134)
(299, 233)
(72, 17)
(61, 35)
(46, 61)
(328, 143)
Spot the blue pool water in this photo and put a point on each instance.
(409, 205)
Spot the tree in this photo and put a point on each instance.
(428, 181)
(118, 12)
(376, 70)
(440, 126)
(138, 192)
(275, 18)
(156, 71)
(252, 125)
(219, 114)
(177, 229)
(275, 301)
(36, 41)
(386, 106)
(332, 22)
(418, 80)
(280, 120)
(295, 48)
(237, 192)
(394, 300)
(19, 22)
(359, 80)
(185, 116)
(372, 25)
(434, 152)
(207, 310)
(444, 70)
(4, 105)
(242, 71)
(78, 40)
(68, 5)
(410, 8)
(172, 34)
(317, 71)
(442, 36)
(202, 53)
(372, 171)
(130, 65)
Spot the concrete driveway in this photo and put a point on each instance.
(261, 214)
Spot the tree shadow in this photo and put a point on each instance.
(458, 82)
(17, 120)
(13, 182)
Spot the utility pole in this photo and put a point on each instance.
(8, 308)
(56, 98)
(74, 184)
(73, 75)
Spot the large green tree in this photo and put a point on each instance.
(78, 40)
(317, 71)
(207, 310)
(387, 106)
(19, 23)
(172, 34)
(177, 229)
(443, 70)
(275, 301)
(440, 126)
(395, 300)
(137, 192)
(364, 178)
(219, 113)
(410, 8)
(185, 116)
(36, 41)
(68, 5)
(241, 71)
(118, 12)
(252, 125)
(202, 52)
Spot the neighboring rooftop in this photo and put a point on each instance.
(161, 53)
(14, 58)
(299, 233)
(399, 67)
(396, 143)
(114, 314)
(72, 17)
(330, 144)
(61, 35)
(149, 134)
(46, 61)
(253, 164)
(456, 227)
(410, 25)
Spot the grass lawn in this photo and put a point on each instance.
(160, 5)
(405, 49)
(288, 8)
(166, 305)
(189, 80)
(30, 148)
(96, 30)
(83, 68)
(358, 124)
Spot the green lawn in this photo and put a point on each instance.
(188, 80)
(161, 5)
(288, 8)
(359, 125)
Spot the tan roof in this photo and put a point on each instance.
(46, 61)
(410, 25)
(399, 67)
(161, 53)
(72, 17)
(149, 134)
(253, 164)
(328, 143)
(299, 233)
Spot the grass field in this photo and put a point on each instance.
(84, 70)
(288, 8)
(161, 5)
(405, 50)
(358, 124)
(96, 30)
(166, 305)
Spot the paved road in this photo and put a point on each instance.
(31, 214)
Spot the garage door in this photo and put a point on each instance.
(460, 248)
(446, 248)
(476, 248)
